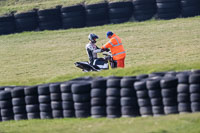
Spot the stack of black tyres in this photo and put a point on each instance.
(6, 106)
(73, 16)
(154, 91)
(44, 101)
(129, 105)
(183, 96)
(26, 21)
(18, 102)
(67, 100)
(190, 8)
(169, 94)
(168, 9)
(97, 14)
(143, 98)
(113, 107)
(7, 24)
(81, 98)
(120, 12)
(32, 103)
(144, 9)
(56, 101)
(49, 19)
(194, 81)
(98, 98)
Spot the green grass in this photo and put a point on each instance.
(38, 57)
(188, 123)
(7, 6)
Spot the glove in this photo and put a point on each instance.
(107, 50)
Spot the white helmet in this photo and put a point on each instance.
(92, 36)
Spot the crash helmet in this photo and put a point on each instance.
(92, 37)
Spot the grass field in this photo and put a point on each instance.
(37, 57)
(7, 6)
(188, 123)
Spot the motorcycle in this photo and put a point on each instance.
(98, 64)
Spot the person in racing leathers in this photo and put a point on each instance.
(91, 47)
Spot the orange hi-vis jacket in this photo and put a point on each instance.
(116, 47)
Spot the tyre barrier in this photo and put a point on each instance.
(155, 94)
(168, 9)
(144, 9)
(26, 21)
(79, 16)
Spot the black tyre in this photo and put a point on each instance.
(26, 15)
(18, 101)
(158, 110)
(81, 97)
(54, 88)
(184, 107)
(82, 113)
(7, 112)
(32, 108)
(169, 101)
(146, 111)
(81, 88)
(195, 97)
(195, 107)
(183, 97)
(153, 84)
(171, 110)
(35, 115)
(73, 8)
(31, 91)
(154, 93)
(98, 101)
(127, 82)
(20, 117)
(183, 88)
(128, 101)
(67, 97)
(169, 92)
(66, 87)
(43, 90)
(19, 109)
(144, 102)
(156, 101)
(68, 105)
(56, 97)
(113, 101)
(169, 82)
(46, 115)
(17, 92)
(113, 111)
(142, 76)
(194, 79)
(44, 99)
(45, 108)
(140, 85)
(68, 113)
(4, 95)
(98, 110)
(56, 105)
(99, 83)
(129, 111)
(82, 106)
(98, 92)
(142, 94)
(194, 88)
(183, 78)
(113, 83)
(113, 92)
(127, 92)
(57, 113)
(6, 104)
(31, 99)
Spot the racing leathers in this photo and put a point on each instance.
(90, 47)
